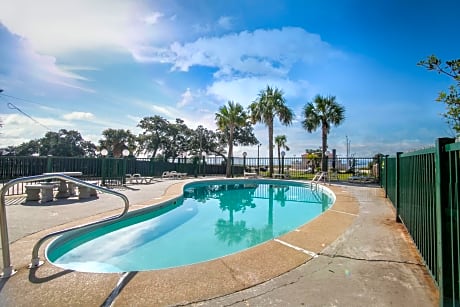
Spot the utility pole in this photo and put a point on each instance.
(348, 151)
(348, 146)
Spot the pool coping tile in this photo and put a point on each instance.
(50, 285)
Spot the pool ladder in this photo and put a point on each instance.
(317, 178)
(8, 269)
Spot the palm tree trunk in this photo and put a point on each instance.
(324, 145)
(270, 147)
(228, 171)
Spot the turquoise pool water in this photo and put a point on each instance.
(212, 219)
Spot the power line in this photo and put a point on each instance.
(22, 99)
(13, 107)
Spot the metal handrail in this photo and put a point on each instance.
(8, 269)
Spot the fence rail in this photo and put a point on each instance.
(424, 188)
(113, 170)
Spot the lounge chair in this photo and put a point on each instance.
(182, 175)
(249, 174)
(361, 179)
(129, 178)
(332, 175)
(173, 175)
(167, 175)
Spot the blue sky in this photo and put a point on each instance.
(91, 65)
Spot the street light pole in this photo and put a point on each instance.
(258, 165)
(125, 154)
(104, 153)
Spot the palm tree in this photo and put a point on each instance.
(270, 104)
(323, 112)
(228, 119)
(280, 141)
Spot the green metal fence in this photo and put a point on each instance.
(156, 167)
(303, 168)
(424, 188)
(449, 197)
(12, 167)
(103, 170)
(112, 171)
(388, 177)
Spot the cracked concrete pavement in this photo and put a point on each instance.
(374, 263)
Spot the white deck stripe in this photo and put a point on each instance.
(343, 212)
(314, 255)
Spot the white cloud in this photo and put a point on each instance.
(21, 63)
(186, 98)
(225, 22)
(168, 112)
(79, 116)
(18, 128)
(260, 53)
(152, 18)
(54, 26)
(245, 90)
(193, 114)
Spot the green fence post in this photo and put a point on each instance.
(386, 176)
(103, 170)
(152, 167)
(49, 164)
(123, 173)
(445, 283)
(398, 185)
(195, 166)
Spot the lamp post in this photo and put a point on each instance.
(244, 160)
(282, 161)
(104, 153)
(125, 153)
(258, 164)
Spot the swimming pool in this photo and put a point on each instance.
(212, 219)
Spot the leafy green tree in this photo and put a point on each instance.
(116, 140)
(269, 104)
(228, 118)
(322, 113)
(154, 135)
(280, 141)
(176, 139)
(29, 148)
(451, 99)
(64, 143)
(313, 158)
(244, 136)
(208, 141)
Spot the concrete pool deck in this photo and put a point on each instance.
(363, 258)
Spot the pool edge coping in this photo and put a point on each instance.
(239, 279)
